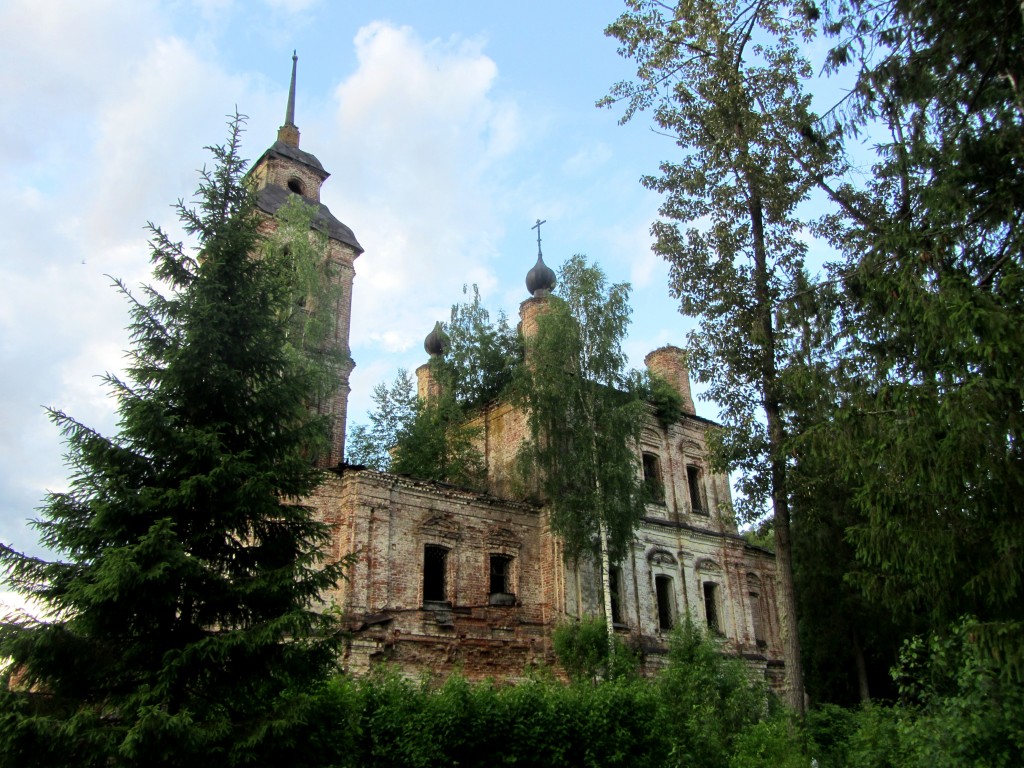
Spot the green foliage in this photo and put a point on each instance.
(480, 356)
(827, 730)
(957, 707)
(929, 418)
(770, 743)
(703, 705)
(394, 410)
(729, 230)
(438, 444)
(586, 411)
(314, 288)
(401, 723)
(434, 440)
(726, 79)
(583, 651)
(665, 399)
(182, 626)
(760, 536)
(430, 440)
(709, 700)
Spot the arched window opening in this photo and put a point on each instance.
(756, 612)
(501, 592)
(615, 591)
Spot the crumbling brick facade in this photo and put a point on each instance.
(446, 579)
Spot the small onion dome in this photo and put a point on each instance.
(540, 280)
(436, 342)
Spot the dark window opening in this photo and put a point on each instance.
(614, 586)
(711, 606)
(652, 479)
(295, 186)
(435, 566)
(663, 588)
(696, 497)
(756, 615)
(500, 573)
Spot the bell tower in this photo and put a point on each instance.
(285, 170)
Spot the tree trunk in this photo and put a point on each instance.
(862, 669)
(606, 588)
(785, 594)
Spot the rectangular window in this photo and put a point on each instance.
(652, 478)
(435, 567)
(500, 572)
(755, 614)
(711, 606)
(663, 588)
(693, 479)
(614, 587)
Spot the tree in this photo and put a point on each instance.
(848, 643)
(394, 409)
(439, 444)
(586, 410)
(930, 421)
(481, 355)
(181, 623)
(725, 80)
(433, 439)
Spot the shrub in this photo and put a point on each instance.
(582, 650)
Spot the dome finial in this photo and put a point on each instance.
(540, 280)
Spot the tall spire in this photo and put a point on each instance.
(289, 117)
(289, 133)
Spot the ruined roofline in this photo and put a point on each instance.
(436, 486)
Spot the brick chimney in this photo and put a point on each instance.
(669, 363)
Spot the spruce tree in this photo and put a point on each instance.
(181, 623)
(930, 424)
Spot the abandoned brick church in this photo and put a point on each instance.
(449, 579)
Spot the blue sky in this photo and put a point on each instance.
(449, 128)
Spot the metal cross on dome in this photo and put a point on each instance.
(537, 227)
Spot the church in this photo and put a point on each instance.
(448, 579)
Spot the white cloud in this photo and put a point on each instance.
(110, 115)
(150, 141)
(424, 185)
(59, 61)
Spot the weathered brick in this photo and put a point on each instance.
(386, 523)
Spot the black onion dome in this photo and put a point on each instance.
(436, 342)
(540, 278)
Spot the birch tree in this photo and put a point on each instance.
(586, 411)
